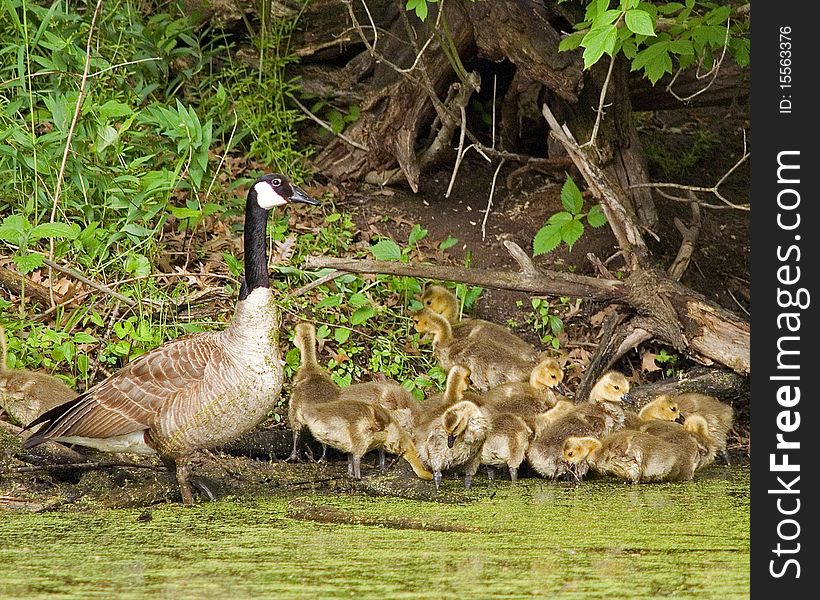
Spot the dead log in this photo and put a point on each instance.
(726, 385)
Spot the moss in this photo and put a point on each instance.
(599, 539)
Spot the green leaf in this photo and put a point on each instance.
(639, 21)
(550, 235)
(571, 232)
(113, 109)
(358, 300)
(596, 217)
(81, 337)
(360, 315)
(182, 212)
(55, 230)
(682, 47)
(417, 234)
(571, 42)
(137, 265)
(448, 243)
(654, 60)
(386, 250)
(15, 229)
(597, 41)
(137, 230)
(571, 197)
(341, 334)
(26, 263)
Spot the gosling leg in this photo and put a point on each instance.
(350, 465)
(513, 473)
(294, 454)
(437, 479)
(724, 454)
(382, 459)
(323, 458)
(490, 473)
(357, 467)
(468, 481)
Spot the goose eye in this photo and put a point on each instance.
(674, 409)
(616, 387)
(570, 453)
(276, 182)
(429, 303)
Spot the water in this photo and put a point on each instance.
(601, 539)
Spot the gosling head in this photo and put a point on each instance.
(456, 419)
(612, 386)
(577, 449)
(275, 189)
(427, 321)
(662, 408)
(548, 374)
(697, 425)
(304, 334)
(441, 300)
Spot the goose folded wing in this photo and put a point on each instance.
(130, 400)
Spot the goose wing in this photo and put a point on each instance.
(130, 400)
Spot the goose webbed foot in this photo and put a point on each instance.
(724, 454)
(207, 487)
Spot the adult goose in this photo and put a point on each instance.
(197, 391)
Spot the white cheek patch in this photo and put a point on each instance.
(267, 197)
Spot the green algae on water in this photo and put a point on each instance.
(599, 539)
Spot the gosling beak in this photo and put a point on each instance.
(451, 439)
(627, 399)
(300, 197)
(680, 419)
(561, 388)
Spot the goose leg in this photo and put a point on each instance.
(294, 455)
(350, 465)
(357, 467)
(382, 459)
(180, 473)
(468, 481)
(490, 472)
(437, 479)
(513, 473)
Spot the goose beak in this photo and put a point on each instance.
(680, 419)
(451, 439)
(627, 399)
(300, 197)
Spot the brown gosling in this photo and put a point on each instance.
(599, 416)
(662, 408)
(312, 385)
(506, 443)
(25, 394)
(388, 394)
(490, 364)
(456, 389)
(694, 433)
(455, 440)
(356, 427)
(536, 396)
(632, 455)
(444, 302)
(718, 415)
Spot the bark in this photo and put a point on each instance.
(720, 383)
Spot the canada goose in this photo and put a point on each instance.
(506, 443)
(24, 394)
(355, 427)
(444, 302)
(455, 439)
(536, 396)
(633, 455)
(599, 416)
(718, 415)
(490, 364)
(311, 385)
(197, 391)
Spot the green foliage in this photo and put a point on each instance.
(419, 7)
(567, 225)
(693, 33)
(546, 322)
(668, 361)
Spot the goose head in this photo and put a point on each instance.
(456, 419)
(266, 193)
(577, 449)
(275, 189)
(427, 321)
(548, 374)
(611, 387)
(662, 408)
(442, 301)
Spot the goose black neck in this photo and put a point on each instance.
(256, 253)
